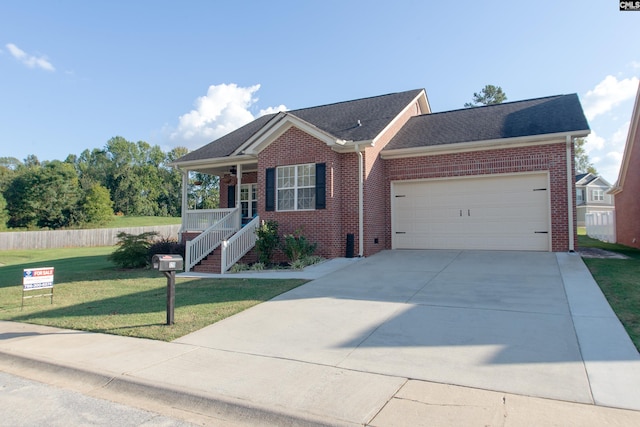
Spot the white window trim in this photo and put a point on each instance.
(251, 190)
(597, 195)
(295, 188)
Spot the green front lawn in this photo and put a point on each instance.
(90, 294)
(619, 280)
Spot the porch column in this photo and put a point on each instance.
(185, 204)
(239, 172)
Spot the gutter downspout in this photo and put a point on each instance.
(360, 202)
(570, 192)
(184, 205)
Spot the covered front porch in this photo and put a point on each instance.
(217, 238)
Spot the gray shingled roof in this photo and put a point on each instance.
(339, 120)
(554, 114)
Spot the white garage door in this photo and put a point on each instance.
(501, 212)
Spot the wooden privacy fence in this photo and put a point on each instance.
(76, 238)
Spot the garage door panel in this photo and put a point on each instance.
(496, 212)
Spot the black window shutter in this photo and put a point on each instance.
(231, 196)
(270, 190)
(321, 184)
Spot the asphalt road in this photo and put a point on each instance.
(30, 403)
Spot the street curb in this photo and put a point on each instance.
(154, 397)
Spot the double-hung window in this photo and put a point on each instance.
(597, 195)
(296, 187)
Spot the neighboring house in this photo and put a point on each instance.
(592, 196)
(626, 191)
(387, 173)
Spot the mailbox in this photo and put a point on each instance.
(167, 262)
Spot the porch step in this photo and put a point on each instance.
(210, 264)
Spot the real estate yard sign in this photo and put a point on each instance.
(34, 279)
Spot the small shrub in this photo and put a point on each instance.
(258, 266)
(296, 246)
(268, 241)
(236, 268)
(133, 249)
(297, 264)
(166, 245)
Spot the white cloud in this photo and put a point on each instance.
(30, 61)
(606, 153)
(224, 108)
(593, 143)
(272, 110)
(608, 94)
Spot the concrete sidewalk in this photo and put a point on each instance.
(210, 384)
(234, 389)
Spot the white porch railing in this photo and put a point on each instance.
(198, 248)
(201, 219)
(601, 225)
(239, 244)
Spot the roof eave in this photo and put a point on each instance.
(215, 162)
(492, 144)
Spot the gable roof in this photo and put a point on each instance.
(632, 137)
(587, 179)
(358, 120)
(534, 117)
(581, 175)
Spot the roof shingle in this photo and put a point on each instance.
(554, 114)
(340, 120)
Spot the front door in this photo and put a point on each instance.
(248, 201)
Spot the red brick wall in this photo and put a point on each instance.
(375, 219)
(550, 158)
(628, 201)
(247, 178)
(326, 227)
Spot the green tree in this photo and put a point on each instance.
(4, 213)
(97, 206)
(204, 195)
(583, 164)
(44, 195)
(8, 167)
(489, 95)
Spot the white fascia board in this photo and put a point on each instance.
(217, 162)
(421, 99)
(284, 124)
(493, 144)
(584, 181)
(266, 128)
(350, 146)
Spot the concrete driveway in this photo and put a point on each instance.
(528, 323)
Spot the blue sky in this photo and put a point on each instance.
(181, 73)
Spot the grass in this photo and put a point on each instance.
(619, 281)
(90, 294)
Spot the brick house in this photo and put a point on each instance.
(626, 191)
(388, 173)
